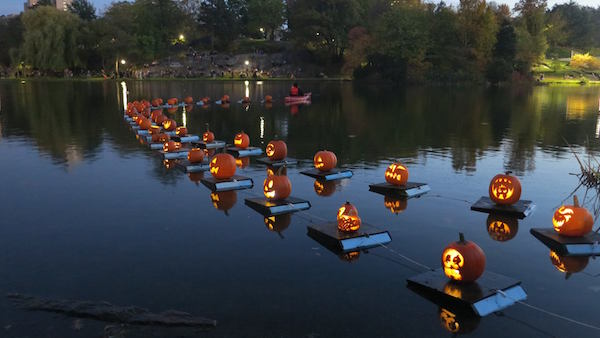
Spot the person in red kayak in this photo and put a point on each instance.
(295, 91)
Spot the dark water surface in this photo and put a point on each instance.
(88, 213)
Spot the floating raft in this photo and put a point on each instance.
(143, 132)
(188, 167)
(410, 189)
(186, 139)
(521, 209)
(481, 296)
(174, 155)
(587, 245)
(211, 145)
(235, 183)
(285, 162)
(331, 175)
(250, 151)
(278, 207)
(366, 237)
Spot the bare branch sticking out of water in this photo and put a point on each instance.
(108, 312)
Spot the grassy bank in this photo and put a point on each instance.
(560, 73)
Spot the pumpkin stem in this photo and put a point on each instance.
(461, 237)
(575, 201)
(207, 129)
(508, 172)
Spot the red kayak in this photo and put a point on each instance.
(298, 99)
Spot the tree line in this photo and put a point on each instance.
(398, 40)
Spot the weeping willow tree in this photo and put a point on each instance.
(50, 39)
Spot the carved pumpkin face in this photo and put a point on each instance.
(153, 130)
(324, 188)
(568, 264)
(396, 174)
(505, 189)
(172, 101)
(195, 155)
(347, 218)
(171, 146)
(325, 160)
(395, 205)
(222, 166)
(224, 200)
(278, 223)
(208, 136)
(242, 162)
(145, 124)
(241, 140)
(572, 220)
(276, 150)
(162, 138)
(502, 228)
(188, 100)
(181, 131)
(155, 114)
(169, 125)
(277, 187)
(160, 119)
(463, 261)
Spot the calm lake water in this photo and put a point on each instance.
(89, 213)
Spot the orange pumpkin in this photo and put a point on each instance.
(171, 146)
(169, 125)
(505, 189)
(396, 174)
(572, 220)
(276, 150)
(181, 131)
(146, 124)
(224, 200)
(162, 138)
(277, 187)
(268, 99)
(160, 119)
(208, 135)
(347, 218)
(156, 102)
(463, 261)
(502, 228)
(325, 160)
(155, 114)
(172, 101)
(222, 166)
(188, 100)
(225, 99)
(206, 100)
(241, 140)
(195, 155)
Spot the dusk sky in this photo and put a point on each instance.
(16, 6)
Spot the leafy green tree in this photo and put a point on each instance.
(222, 20)
(265, 14)
(445, 53)
(11, 37)
(45, 3)
(502, 65)
(50, 39)
(83, 9)
(115, 33)
(531, 35)
(477, 27)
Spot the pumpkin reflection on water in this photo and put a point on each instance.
(278, 223)
(224, 200)
(458, 322)
(502, 228)
(395, 205)
(568, 264)
(350, 257)
(325, 188)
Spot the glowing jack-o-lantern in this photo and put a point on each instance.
(568, 264)
(241, 140)
(505, 189)
(325, 160)
(277, 187)
(396, 174)
(502, 228)
(171, 146)
(242, 162)
(347, 218)
(172, 101)
(208, 136)
(153, 130)
(276, 150)
(155, 114)
(160, 119)
(278, 223)
(224, 200)
(395, 205)
(324, 188)
(146, 124)
(572, 220)
(463, 261)
(160, 138)
(222, 166)
(195, 155)
(169, 125)
(459, 322)
(181, 131)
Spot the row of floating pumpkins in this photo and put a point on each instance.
(188, 100)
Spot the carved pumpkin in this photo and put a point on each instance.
(276, 150)
(208, 135)
(347, 218)
(160, 119)
(195, 155)
(224, 200)
(458, 322)
(396, 174)
(188, 100)
(463, 261)
(324, 188)
(181, 131)
(242, 162)
(153, 130)
(171, 146)
(169, 125)
(395, 205)
(222, 166)
(505, 189)
(172, 101)
(325, 160)
(502, 228)
(277, 187)
(568, 264)
(225, 99)
(146, 124)
(268, 99)
(156, 102)
(572, 220)
(162, 138)
(278, 223)
(155, 114)
(241, 140)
